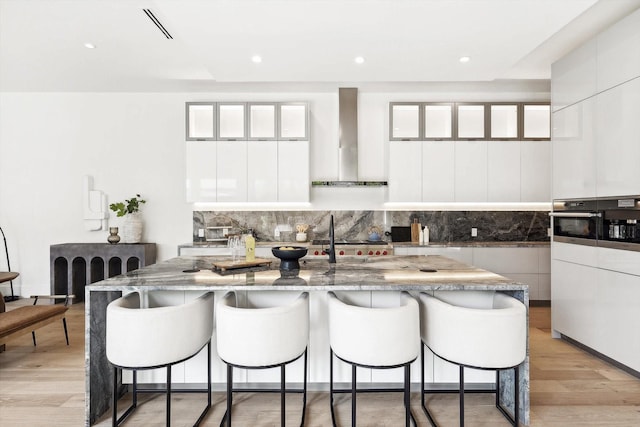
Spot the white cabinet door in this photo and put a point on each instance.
(573, 78)
(438, 171)
(503, 171)
(619, 52)
(405, 121)
(294, 121)
(471, 171)
(405, 171)
(293, 171)
(618, 317)
(535, 171)
(232, 171)
(201, 119)
(574, 151)
(232, 120)
(201, 171)
(262, 171)
(618, 140)
(262, 121)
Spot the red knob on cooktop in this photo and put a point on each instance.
(377, 252)
(316, 253)
(359, 252)
(384, 253)
(341, 252)
(370, 252)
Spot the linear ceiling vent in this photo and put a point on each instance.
(157, 23)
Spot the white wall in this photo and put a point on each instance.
(134, 143)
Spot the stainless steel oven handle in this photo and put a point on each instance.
(575, 214)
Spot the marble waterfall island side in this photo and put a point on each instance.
(362, 279)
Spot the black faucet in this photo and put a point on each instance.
(332, 243)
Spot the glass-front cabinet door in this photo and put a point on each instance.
(262, 121)
(471, 121)
(504, 121)
(405, 121)
(438, 121)
(293, 121)
(200, 123)
(537, 121)
(232, 121)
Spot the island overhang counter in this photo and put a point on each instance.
(366, 280)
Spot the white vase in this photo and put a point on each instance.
(132, 228)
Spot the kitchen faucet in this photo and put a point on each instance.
(332, 243)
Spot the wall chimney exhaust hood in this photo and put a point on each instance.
(348, 144)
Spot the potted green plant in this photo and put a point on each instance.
(132, 222)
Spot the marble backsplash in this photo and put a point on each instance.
(444, 226)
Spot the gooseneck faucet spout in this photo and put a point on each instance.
(332, 243)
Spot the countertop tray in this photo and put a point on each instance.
(241, 266)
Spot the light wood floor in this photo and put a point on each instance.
(44, 386)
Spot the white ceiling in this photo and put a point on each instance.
(42, 41)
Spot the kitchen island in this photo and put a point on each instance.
(365, 280)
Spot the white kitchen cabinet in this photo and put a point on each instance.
(293, 171)
(293, 121)
(574, 151)
(200, 121)
(405, 171)
(573, 78)
(231, 174)
(232, 121)
(404, 121)
(438, 171)
(619, 52)
(438, 121)
(535, 171)
(471, 121)
(262, 121)
(471, 171)
(503, 171)
(536, 121)
(262, 171)
(201, 171)
(618, 140)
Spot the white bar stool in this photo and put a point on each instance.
(475, 329)
(262, 338)
(380, 338)
(156, 337)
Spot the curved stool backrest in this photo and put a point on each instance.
(375, 336)
(261, 336)
(145, 337)
(475, 328)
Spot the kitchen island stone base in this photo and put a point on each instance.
(371, 282)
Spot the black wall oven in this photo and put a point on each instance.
(611, 222)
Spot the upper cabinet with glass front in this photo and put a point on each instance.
(293, 121)
(232, 121)
(536, 121)
(262, 121)
(438, 121)
(504, 121)
(201, 119)
(471, 121)
(405, 121)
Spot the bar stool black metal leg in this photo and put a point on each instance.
(353, 395)
(33, 335)
(66, 334)
(461, 396)
(282, 395)
(304, 391)
(135, 388)
(114, 419)
(516, 398)
(407, 394)
(497, 388)
(168, 395)
(229, 393)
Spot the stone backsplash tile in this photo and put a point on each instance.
(444, 226)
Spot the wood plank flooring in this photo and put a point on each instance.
(44, 386)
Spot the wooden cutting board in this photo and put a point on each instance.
(230, 265)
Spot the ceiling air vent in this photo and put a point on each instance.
(157, 23)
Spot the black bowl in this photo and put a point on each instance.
(289, 257)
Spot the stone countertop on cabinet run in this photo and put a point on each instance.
(519, 244)
(350, 273)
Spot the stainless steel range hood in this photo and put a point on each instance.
(348, 144)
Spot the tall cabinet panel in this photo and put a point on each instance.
(232, 171)
(471, 171)
(535, 171)
(503, 171)
(262, 171)
(618, 136)
(573, 78)
(619, 52)
(574, 162)
(405, 171)
(438, 171)
(293, 171)
(201, 171)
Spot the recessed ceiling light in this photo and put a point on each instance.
(464, 59)
(256, 58)
(359, 60)
(90, 45)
